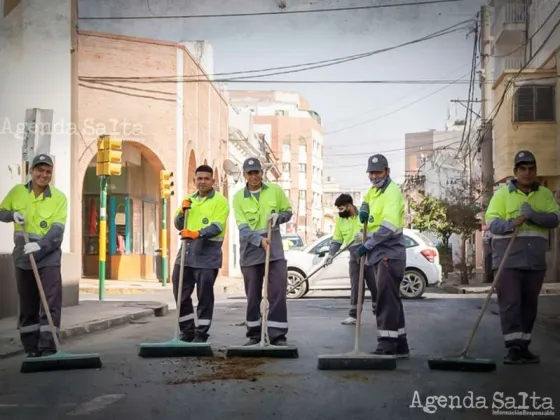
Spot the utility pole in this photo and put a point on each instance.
(486, 144)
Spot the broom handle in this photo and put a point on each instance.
(181, 274)
(264, 310)
(295, 286)
(44, 301)
(360, 292)
(489, 295)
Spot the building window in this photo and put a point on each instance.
(286, 149)
(285, 167)
(303, 167)
(302, 194)
(534, 103)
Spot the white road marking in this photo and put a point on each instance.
(98, 403)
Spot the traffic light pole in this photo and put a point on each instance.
(164, 266)
(102, 235)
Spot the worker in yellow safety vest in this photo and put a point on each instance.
(255, 206)
(385, 250)
(532, 208)
(39, 209)
(208, 211)
(348, 233)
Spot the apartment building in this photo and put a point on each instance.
(296, 137)
(525, 53)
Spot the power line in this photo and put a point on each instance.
(498, 106)
(456, 81)
(329, 82)
(286, 12)
(296, 67)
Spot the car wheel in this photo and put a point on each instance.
(413, 284)
(295, 277)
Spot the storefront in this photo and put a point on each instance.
(133, 220)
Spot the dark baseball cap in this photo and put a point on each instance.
(42, 159)
(524, 156)
(251, 164)
(377, 163)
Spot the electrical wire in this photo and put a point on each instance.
(470, 96)
(292, 68)
(368, 121)
(286, 12)
(511, 81)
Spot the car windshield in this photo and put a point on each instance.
(295, 240)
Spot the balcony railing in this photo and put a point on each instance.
(509, 13)
(539, 12)
(507, 63)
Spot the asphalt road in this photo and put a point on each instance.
(130, 387)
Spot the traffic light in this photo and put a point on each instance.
(109, 156)
(165, 184)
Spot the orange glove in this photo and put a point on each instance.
(189, 234)
(186, 205)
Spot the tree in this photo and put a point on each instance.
(462, 212)
(430, 215)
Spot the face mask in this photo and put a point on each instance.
(378, 182)
(344, 214)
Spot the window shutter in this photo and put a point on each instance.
(544, 103)
(524, 100)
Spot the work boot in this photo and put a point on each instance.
(48, 352)
(200, 339)
(528, 356)
(349, 321)
(187, 338)
(514, 356)
(281, 341)
(380, 351)
(252, 342)
(34, 353)
(403, 352)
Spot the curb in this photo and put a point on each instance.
(122, 291)
(106, 324)
(458, 290)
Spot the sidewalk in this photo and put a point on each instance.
(452, 286)
(224, 285)
(88, 317)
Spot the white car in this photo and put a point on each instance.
(423, 268)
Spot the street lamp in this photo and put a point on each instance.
(236, 174)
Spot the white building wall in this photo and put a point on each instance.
(35, 71)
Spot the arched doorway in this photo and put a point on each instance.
(133, 217)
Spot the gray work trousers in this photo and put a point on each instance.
(391, 332)
(253, 277)
(518, 298)
(35, 333)
(369, 280)
(203, 279)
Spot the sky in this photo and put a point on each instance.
(358, 119)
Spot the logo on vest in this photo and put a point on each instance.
(43, 224)
(205, 221)
(370, 219)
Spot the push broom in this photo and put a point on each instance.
(59, 360)
(357, 360)
(264, 348)
(464, 362)
(177, 347)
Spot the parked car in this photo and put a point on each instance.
(423, 267)
(295, 239)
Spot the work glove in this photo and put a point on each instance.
(31, 247)
(362, 250)
(527, 211)
(358, 238)
(328, 259)
(364, 216)
(189, 234)
(273, 218)
(186, 205)
(18, 218)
